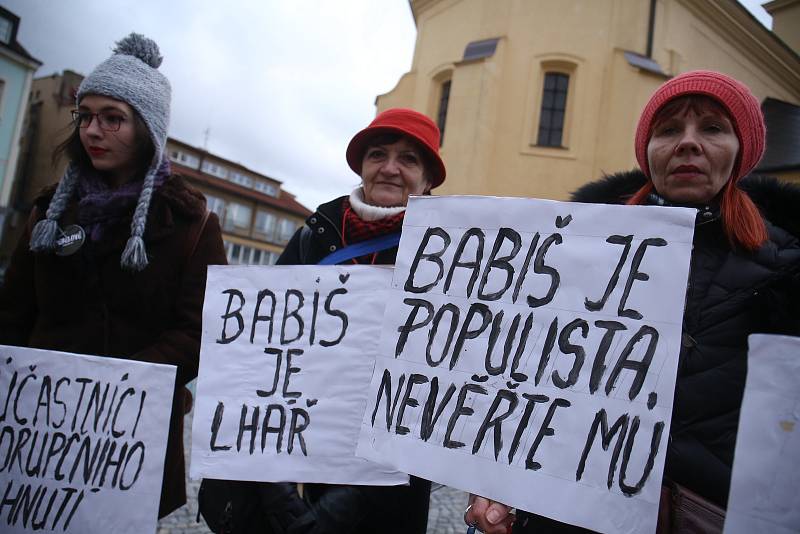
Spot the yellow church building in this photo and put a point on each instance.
(536, 97)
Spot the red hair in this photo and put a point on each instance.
(741, 219)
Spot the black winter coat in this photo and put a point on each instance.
(340, 508)
(730, 295)
(325, 238)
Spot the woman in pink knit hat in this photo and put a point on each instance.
(697, 139)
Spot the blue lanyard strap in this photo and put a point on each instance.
(361, 248)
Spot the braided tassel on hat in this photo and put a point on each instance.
(134, 257)
(45, 233)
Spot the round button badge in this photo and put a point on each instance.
(70, 240)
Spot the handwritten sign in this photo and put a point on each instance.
(764, 493)
(286, 358)
(529, 354)
(82, 442)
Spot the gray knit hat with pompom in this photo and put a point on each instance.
(129, 75)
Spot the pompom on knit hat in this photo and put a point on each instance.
(401, 121)
(131, 76)
(734, 96)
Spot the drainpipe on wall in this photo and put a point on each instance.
(651, 25)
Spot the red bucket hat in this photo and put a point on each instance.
(734, 96)
(406, 122)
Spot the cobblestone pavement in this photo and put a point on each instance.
(444, 517)
(447, 509)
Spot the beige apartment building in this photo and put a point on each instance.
(536, 97)
(257, 215)
(786, 21)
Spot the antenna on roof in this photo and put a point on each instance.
(206, 134)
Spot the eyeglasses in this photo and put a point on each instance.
(107, 120)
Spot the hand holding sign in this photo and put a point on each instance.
(488, 516)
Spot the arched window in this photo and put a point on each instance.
(441, 112)
(553, 109)
(439, 96)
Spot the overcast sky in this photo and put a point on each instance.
(282, 84)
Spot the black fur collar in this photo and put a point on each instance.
(778, 200)
(611, 188)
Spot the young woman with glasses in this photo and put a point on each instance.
(113, 260)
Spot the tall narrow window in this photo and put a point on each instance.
(441, 116)
(554, 104)
(237, 216)
(265, 224)
(235, 252)
(6, 29)
(286, 229)
(215, 204)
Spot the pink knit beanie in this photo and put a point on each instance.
(734, 96)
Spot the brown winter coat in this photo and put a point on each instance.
(85, 303)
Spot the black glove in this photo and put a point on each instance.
(281, 506)
(337, 510)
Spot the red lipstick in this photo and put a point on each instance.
(96, 151)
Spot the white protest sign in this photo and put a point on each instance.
(529, 352)
(286, 358)
(82, 442)
(765, 486)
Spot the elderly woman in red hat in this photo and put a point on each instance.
(396, 156)
(697, 139)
